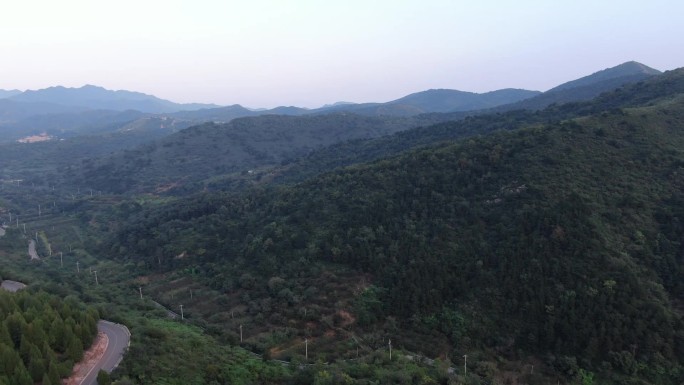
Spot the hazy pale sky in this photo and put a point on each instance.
(264, 53)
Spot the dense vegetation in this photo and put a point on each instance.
(562, 238)
(212, 150)
(366, 150)
(42, 336)
(546, 246)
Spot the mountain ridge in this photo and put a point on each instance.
(8, 93)
(100, 98)
(586, 87)
(629, 68)
(428, 101)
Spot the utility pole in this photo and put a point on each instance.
(306, 349)
(96, 282)
(140, 290)
(78, 269)
(24, 226)
(465, 365)
(390, 349)
(39, 210)
(61, 261)
(240, 333)
(181, 306)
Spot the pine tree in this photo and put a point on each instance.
(9, 360)
(74, 348)
(15, 323)
(21, 376)
(5, 338)
(53, 373)
(36, 368)
(25, 350)
(57, 334)
(103, 378)
(46, 380)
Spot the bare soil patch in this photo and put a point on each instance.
(90, 359)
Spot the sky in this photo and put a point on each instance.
(266, 53)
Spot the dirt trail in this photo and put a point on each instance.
(32, 250)
(90, 358)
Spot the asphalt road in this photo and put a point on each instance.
(119, 338)
(12, 285)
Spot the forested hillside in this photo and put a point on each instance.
(212, 150)
(42, 336)
(561, 239)
(366, 150)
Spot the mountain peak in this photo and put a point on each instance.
(634, 66)
(624, 70)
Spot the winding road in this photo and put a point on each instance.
(119, 339)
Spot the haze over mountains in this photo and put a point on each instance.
(177, 150)
(19, 109)
(98, 98)
(166, 157)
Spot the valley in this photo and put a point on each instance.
(543, 240)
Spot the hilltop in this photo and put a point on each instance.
(587, 87)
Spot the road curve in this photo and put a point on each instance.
(118, 335)
(119, 339)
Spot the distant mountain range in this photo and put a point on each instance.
(51, 110)
(98, 98)
(439, 100)
(196, 153)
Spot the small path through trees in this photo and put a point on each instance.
(32, 250)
